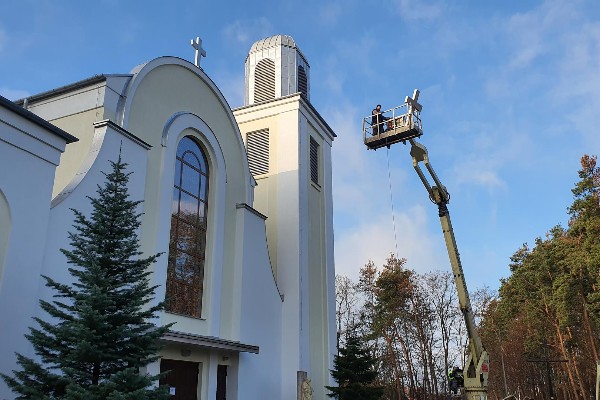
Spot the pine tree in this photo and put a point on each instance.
(354, 373)
(584, 227)
(99, 334)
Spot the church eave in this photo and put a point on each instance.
(60, 90)
(306, 102)
(67, 88)
(290, 97)
(110, 124)
(36, 119)
(208, 342)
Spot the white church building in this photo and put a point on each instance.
(239, 201)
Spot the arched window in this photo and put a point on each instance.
(187, 245)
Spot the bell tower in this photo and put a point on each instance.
(288, 145)
(275, 67)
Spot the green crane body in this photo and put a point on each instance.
(477, 365)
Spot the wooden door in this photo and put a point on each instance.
(182, 378)
(222, 382)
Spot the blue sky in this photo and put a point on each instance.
(510, 94)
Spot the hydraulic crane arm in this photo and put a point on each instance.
(477, 366)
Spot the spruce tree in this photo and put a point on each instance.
(100, 331)
(354, 373)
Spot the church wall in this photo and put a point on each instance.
(161, 93)
(317, 275)
(260, 317)
(329, 275)
(81, 126)
(30, 153)
(265, 194)
(273, 196)
(265, 191)
(29, 211)
(61, 217)
(73, 111)
(321, 264)
(300, 219)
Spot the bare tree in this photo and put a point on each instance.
(346, 301)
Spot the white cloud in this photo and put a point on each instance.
(554, 59)
(374, 240)
(537, 32)
(335, 79)
(245, 32)
(232, 86)
(356, 55)
(576, 90)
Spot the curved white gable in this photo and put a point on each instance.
(142, 71)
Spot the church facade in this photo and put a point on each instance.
(238, 201)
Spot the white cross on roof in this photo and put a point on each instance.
(200, 52)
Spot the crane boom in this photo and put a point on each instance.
(405, 125)
(477, 366)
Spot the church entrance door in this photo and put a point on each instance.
(222, 382)
(182, 380)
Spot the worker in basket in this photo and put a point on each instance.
(378, 120)
(455, 379)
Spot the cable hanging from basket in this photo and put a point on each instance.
(392, 200)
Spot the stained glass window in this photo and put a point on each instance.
(187, 245)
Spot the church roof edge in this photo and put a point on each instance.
(67, 88)
(313, 109)
(12, 106)
(303, 100)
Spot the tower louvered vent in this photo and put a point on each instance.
(257, 148)
(264, 80)
(302, 81)
(314, 161)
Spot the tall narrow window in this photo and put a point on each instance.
(314, 161)
(5, 226)
(264, 80)
(187, 245)
(302, 81)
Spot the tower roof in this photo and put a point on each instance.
(272, 41)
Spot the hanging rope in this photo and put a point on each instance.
(392, 199)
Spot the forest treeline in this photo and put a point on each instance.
(541, 329)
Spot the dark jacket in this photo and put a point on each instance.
(377, 122)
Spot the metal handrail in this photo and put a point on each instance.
(398, 114)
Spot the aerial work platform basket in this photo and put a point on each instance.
(395, 125)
